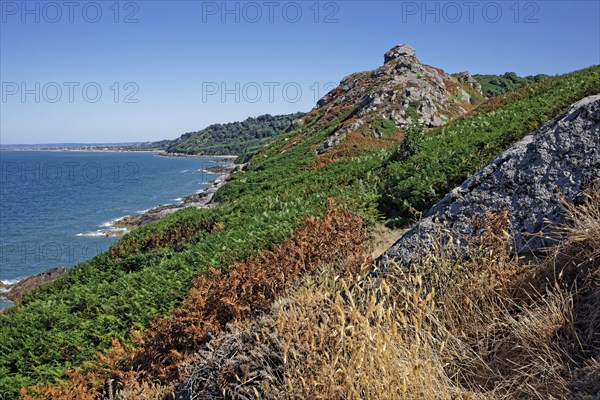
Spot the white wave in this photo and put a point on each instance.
(103, 232)
(109, 224)
(185, 170)
(7, 303)
(10, 282)
(91, 234)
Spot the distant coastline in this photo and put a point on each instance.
(57, 150)
(161, 153)
(136, 146)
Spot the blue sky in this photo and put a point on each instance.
(109, 71)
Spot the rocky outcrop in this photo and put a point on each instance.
(396, 52)
(402, 90)
(529, 181)
(29, 284)
(468, 79)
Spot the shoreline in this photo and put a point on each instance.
(200, 199)
(184, 155)
(123, 225)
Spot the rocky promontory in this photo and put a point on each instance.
(403, 92)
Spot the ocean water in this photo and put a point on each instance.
(54, 205)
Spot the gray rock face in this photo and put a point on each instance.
(529, 180)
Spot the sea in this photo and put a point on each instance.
(56, 206)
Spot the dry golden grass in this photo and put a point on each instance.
(382, 238)
(490, 326)
(371, 349)
(487, 327)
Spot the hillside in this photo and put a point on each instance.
(513, 183)
(371, 109)
(234, 137)
(469, 318)
(496, 85)
(371, 151)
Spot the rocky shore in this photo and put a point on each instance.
(201, 199)
(185, 155)
(27, 285)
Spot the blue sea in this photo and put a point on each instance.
(55, 205)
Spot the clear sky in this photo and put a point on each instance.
(106, 71)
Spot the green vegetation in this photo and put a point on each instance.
(233, 138)
(148, 272)
(384, 127)
(412, 112)
(450, 154)
(496, 85)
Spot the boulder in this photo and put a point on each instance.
(399, 51)
(530, 181)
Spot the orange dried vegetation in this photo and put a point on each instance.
(213, 301)
(247, 288)
(355, 144)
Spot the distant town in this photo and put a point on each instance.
(131, 146)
